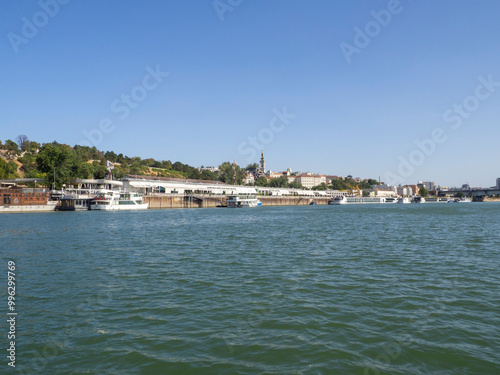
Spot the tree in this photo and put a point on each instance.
(8, 170)
(59, 157)
(252, 166)
(460, 194)
(339, 184)
(423, 192)
(11, 147)
(23, 142)
(227, 173)
(208, 175)
(295, 185)
(321, 186)
(261, 181)
(281, 182)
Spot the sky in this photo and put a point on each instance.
(403, 90)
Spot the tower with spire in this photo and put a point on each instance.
(262, 163)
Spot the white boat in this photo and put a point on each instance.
(404, 200)
(391, 200)
(356, 200)
(418, 199)
(237, 201)
(460, 200)
(112, 200)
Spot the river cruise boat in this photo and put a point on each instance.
(404, 200)
(238, 201)
(112, 200)
(356, 200)
(391, 200)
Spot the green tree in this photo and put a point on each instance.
(55, 156)
(261, 181)
(208, 175)
(227, 173)
(423, 192)
(281, 182)
(8, 169)
(33, 147)
(321, 186)
(29, 163)
(339, 184)
(295, 185)
(11, 147)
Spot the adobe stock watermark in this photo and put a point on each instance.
(30, 26)
(223, 6)
(277, 124)
(454, 116)
(372, 29)
(122, 106)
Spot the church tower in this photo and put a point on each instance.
(262, 162)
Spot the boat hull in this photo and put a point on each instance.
(32, 208)
(119, 207)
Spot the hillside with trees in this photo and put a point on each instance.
(62, 163)
(28, 159)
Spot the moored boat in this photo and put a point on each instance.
(18, 199)
(356, 200)
(239, 201)
(112, 200)
(418, 199)
(391, 200)
(460, 200)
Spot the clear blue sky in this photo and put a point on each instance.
(228, 77)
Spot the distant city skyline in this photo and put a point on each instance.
(405, 90)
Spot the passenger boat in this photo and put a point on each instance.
(460, 200)
(73, 203)
(418, 199)
(356, 200)
(112, 200)
(404, 200)
(237, 201)
(391, 200)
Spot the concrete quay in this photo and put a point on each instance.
(163, 201)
